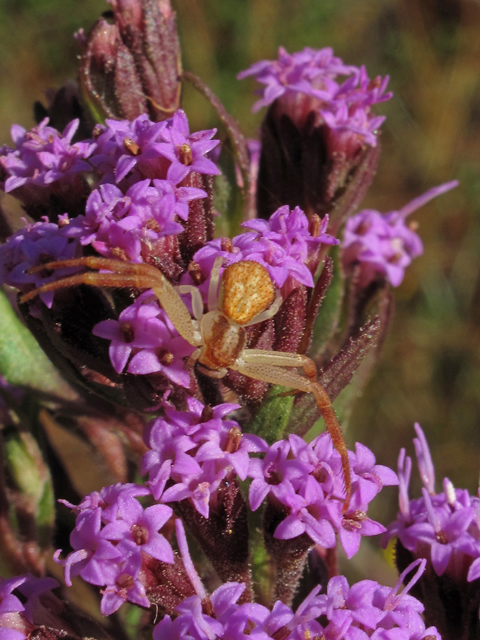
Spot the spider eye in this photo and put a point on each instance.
(247, 291)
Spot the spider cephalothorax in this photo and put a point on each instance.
(245, 297)
(242, 296)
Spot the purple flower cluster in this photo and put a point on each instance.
(32, 246)
(138, 206)
(112, 533)
(307, 478)
(306, 81)
(383, 245)
(283, 245)
(190, 452)
(43, 155)
(130, 225)
(132, 151)
(18, 612)
(442, 527)
(363, 611)
(145, 338)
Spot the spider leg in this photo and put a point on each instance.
(94, 279)
(268, 313)
(197, 302)
(140, 276)
(190, 363)
(117, 266)
(275, 367)
(213, 285)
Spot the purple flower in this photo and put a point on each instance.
(123, 583)
(123, 146)
(139, 529)
(43, 155)
(310, 72)
(193, 451)
(19, 617)
(129, 151)
(111, 534)
(306, 82)
(145, 338)
(32, 246)
(307, 478)
(187, 152)
(130, 225)
(364, 610)
(383, 245)
(283, 245)
(12, 624)
(274, 474)
(439, 526)
(348, 131)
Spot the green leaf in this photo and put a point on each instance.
(22, 361)
(32, 480)
(272, 417)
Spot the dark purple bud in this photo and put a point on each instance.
(166, 585)
(290, 321)
(337, 374)
(298, 168)
(223, 536)
(316, 298)
(199, 225)
(148, 31)
(109, 80)
(288, 556)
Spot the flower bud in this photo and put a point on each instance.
(132, 66)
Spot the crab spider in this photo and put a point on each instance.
(243, 296)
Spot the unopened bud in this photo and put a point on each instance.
(132, 66)
(109, 81)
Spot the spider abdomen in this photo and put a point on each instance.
(247, 290)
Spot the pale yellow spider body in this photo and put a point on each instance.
(243, 296)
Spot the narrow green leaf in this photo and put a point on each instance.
(32, 480)
(22, 361)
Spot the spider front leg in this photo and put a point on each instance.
(119, 274)
(275, 367)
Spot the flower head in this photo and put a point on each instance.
(145, 338)
(43, 155)
(366, 609)
(112, 534)
(129, 225)
(307, 479)
(307, 81)
(383, 245)
(32, 246)
(193, 451)
(284, 245)
(145, 149)
(440, 526)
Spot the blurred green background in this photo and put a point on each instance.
(430, 370)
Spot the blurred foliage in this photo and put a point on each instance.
(430, 370)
